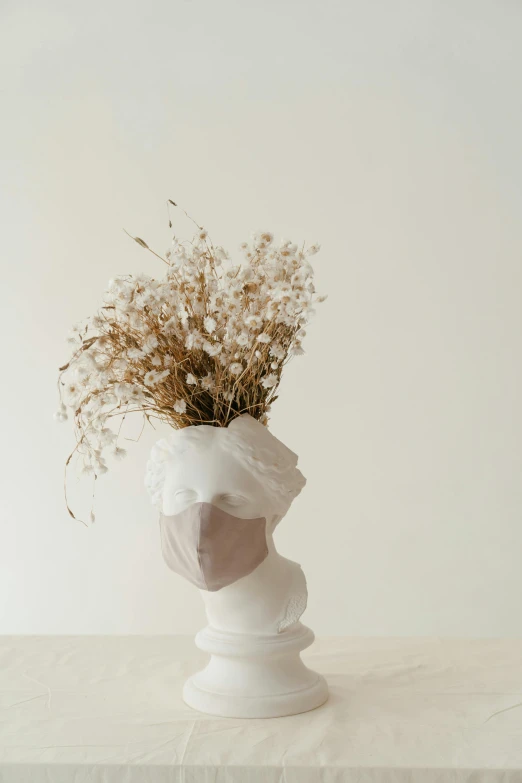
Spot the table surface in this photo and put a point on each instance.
(109, 709)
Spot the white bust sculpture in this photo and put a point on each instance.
(246, 472)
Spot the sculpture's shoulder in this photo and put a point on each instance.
(297, 596)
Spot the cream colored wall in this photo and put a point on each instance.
(389, 132)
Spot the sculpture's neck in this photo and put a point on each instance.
(256, 604)
(272, 551)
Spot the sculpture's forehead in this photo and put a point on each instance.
(206, 443)
(210, 461)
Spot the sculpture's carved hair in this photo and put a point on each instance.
(250, 441)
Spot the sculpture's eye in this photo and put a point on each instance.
(232, 499)
(186, 496)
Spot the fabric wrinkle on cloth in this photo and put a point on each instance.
(109, 709)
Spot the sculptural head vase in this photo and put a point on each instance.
(220, 492)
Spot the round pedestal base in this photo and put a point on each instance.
(255, 676)
(276, 706)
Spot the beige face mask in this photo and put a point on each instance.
(211, 548)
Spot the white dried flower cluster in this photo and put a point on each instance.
(200, 345)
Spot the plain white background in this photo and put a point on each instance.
(387, 131)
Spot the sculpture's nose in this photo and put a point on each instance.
(209, 496)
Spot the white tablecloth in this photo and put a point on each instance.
(108, 709)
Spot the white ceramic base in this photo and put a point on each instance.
(255, 676)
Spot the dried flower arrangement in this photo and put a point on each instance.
(201, 345)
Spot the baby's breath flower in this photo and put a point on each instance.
(277, 350)
(106, 437)
(135, 353)
(191, 380)
(243, 338)
(220, 254)
(210, 324)
(121, 390)
(208, 382)
(193, 340)
(269, 380)
(149, 344)
(71, 394)
(213, 349)
(180, 406)
(253, 321)
(154, 377)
